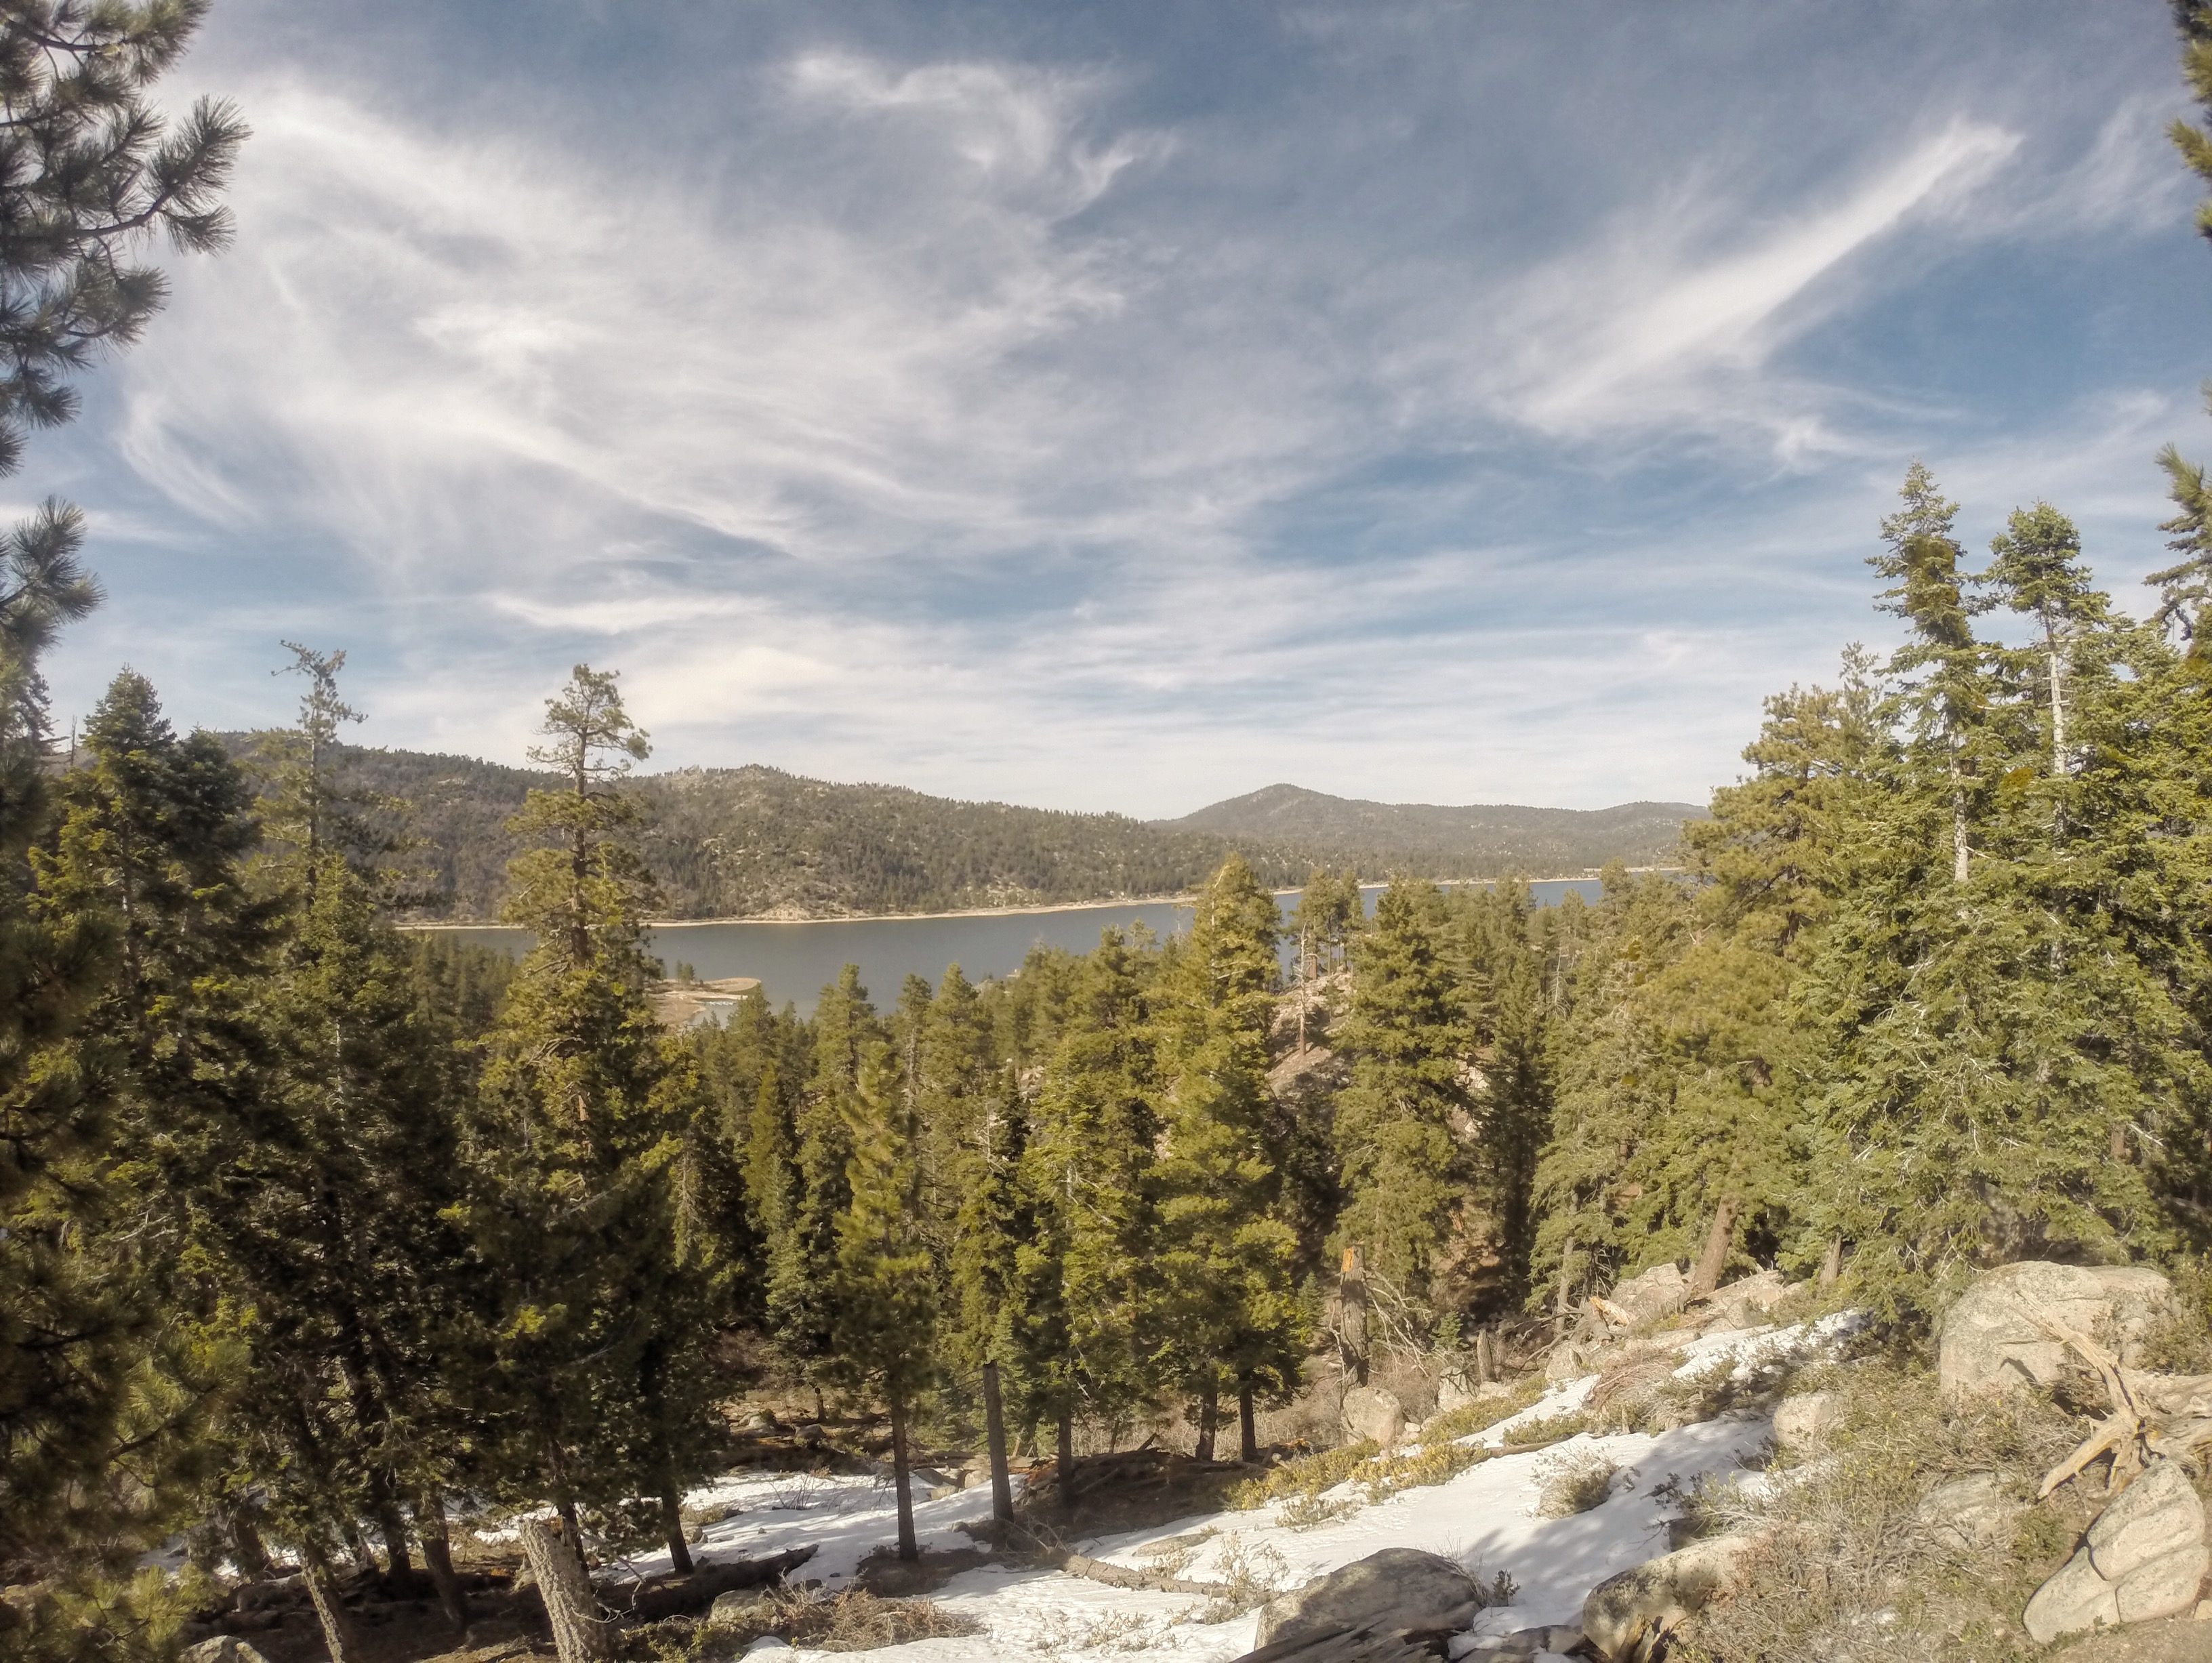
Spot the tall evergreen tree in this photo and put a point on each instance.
(1229, 1317)
(585, 1101)
(1405, 1174)
(886, 1278)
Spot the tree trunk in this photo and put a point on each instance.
(1485, 1358)
(672, 1525)
(398, 1566)
(1831, 1263)
(1353, 1297)
(1714, 1259)
(1248, 1442)
(1209, 1416)
(357, 1546)
(1064, 1455)
(908, 1549)
(994, 1426)
(338, 1636)
(1957, 827)
(247, 1550)
(438, 1555)
(1566, 1289)
(556, 1561)
(2120, 1145)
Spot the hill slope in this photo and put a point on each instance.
(1435, 840)
(755, 842)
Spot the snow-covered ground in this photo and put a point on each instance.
(1486, 1518)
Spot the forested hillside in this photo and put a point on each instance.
(755, 842)
(1481, 839)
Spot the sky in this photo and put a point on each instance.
(1128, 405)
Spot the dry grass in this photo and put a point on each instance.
(852, 1621)
(1853, 1569)
(1248, 1578)
(1573, 1482)
(1307, 1476)
(1479, 1416)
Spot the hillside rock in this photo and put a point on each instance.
(1801, 1424)
(1992, 1343)
(1660, 1291)
(1408, 1591)
(1369, 1411)
(223, 1648)
(2143, 1558)
(1627, 1616)
(1743, 1303)
(1969, 1512)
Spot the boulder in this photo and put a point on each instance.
(1969, 1512)
(1743, 1303)
(1369, 1411)
(1991, 1342)
(1627, 1616)
(2157, 1514)
(1455, 1391)
(1660, 1291)
(2143, 1558)
(2075, 1600)
(1404, 1590)
(223, 1648)
(1803, 1423)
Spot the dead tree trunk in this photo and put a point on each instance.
(338, 1636)
(579, 1635)
(1352, 1298)
(1714, 1259)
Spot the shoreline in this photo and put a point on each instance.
(1185, 899)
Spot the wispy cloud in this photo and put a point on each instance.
(1051, 412)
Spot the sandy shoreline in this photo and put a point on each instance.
(1183, 900)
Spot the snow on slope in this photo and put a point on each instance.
(1486, 1518)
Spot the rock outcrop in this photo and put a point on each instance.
(1990, 1339)
(1386, 1596)
(1369, 1411)
(1627, 1616)
(2144, 1558)
(1660, 1291)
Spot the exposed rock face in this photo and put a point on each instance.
(2144, 1558)
(1627, 1615)
(1660, 1291)
(1801, 1424)
(1399, 1591)
(1369, 1411)
(1992, 1343)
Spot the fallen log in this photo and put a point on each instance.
(649, 1600)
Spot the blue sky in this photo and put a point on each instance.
(1128, 405)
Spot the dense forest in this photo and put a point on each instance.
(755, 842)
(312, 1231)
(1428, 840)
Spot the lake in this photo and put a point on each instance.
(794, 962)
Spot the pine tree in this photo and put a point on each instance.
(1229, 1314)
(1085, 1213)
(584, 1105)
(1405, 1174)
(886, 1293)
(801, 1302)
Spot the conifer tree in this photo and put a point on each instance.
(1077, 1317)
(885, 1281)
(584, 1102)
(1405, 1174)
(799, 1298)
(1229, 1314)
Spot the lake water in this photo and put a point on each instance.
(795, 961)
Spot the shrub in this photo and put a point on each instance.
(1480, 1415)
